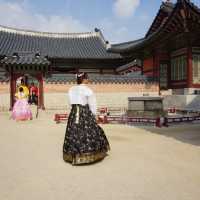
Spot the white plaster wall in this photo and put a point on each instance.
(182, 101)
(59, 101)
(4, 102)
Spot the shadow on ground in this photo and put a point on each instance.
(185, 133)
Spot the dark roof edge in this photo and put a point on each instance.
(125, 43)
(101, 36)
(149, 38)
(193, 6)
(134, 45)
(118, 48)
(162, 8)
(130, 64)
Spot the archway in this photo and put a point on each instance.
(29, 78)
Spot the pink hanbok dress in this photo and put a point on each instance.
(21, 109)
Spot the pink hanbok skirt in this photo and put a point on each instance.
(21, 110)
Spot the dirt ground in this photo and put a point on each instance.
(145, 163)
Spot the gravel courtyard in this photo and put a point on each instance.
(145, 163)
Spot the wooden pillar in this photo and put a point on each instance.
(156, 63)
(189, 68)
(156, 68)
(41, 92)
(12, 88)
(142, 66)
(169, 74)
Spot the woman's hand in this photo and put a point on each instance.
(97, 118)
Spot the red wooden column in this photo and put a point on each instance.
(41, 91)
(169, 73)
(189, 67)
(156, 64)
(156, 67)
(12, 89)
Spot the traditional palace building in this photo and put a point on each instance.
(166, 59)
(170, 49)
(51, 60)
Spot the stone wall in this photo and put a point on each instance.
(108, 95)
(4, 88)
(4, 96)
(59, 101)
(188, 102)
(138, 87)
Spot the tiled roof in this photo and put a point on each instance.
(89, 45)
(102, 78)
(139, 44)
(117, 48)
(164, 12)
(130, 64)
(25, 59)
(193, 6)
(167, 6)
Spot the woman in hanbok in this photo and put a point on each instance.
(21, 110)
(25, 88)
(85, 141)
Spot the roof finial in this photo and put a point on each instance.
(96, 30)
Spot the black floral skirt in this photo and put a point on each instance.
(85, 141)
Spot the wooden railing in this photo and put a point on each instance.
(104, 118)
(60, 118)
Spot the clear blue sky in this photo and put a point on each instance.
(119, 20)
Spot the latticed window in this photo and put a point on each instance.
(196, 68)
(179, 68)
(163, 76)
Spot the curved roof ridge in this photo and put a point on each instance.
(101, 36)
(89, 45)
(48, 34)
(166, 7)
(117, 48)
(128, 42)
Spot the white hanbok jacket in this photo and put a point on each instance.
(82, 94)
